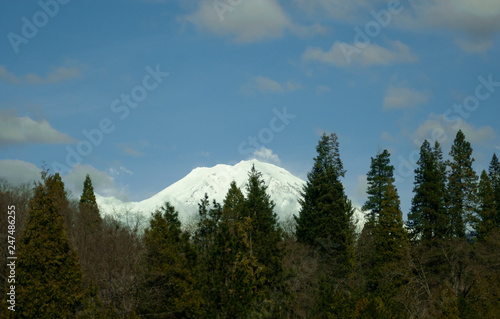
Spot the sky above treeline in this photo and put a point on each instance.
(137, 93)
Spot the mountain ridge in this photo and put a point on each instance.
(283, 187)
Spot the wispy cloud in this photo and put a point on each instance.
(267, 155)
(474, 23)
(103, 183)
(343, 54)
(250, 21)
(22, 130)
(17, 172)
(436, 127)
(267, 85)
(129, 150)
(401, 97)
(57, 75)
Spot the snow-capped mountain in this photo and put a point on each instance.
(283, 187)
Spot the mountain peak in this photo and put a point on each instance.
(185, 194)
(283, 187)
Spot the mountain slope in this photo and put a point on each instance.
(283, 187)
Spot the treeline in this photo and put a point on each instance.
(240, 262)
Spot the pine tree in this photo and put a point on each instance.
(324, 220)
(89, 245)
(494, 174)
(380, 175)
(240, 276)
(266, 233)
(265, 238)
(462, 182)
(231, 277)
(48, 275)
(89, 211)
(428, 218)
(168, 290)
(486, 213)
(391, 239)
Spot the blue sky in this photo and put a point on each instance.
(139, 92)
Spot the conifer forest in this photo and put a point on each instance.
(237, 260)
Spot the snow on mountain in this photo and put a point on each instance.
(283, 187)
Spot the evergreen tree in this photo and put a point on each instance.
(266, 233)
(487, 213)
(391, 239)
(380, 175)
(324, 220)
(265, 239)
(168, 290)
(48, 274)
(231, 277)
(428, 218)
(461, 185)
(57, 193)
(494, 174)
(239, 277)
(89, 215)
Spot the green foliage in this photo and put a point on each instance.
(428, 219)
(89, 212)
(168, 290)
(48, 275)
(494, 175)
(461, 185)
(485, 219)
(324, 220)
(380, 175)
(265, 234)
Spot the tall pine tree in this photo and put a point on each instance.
(89, 215)
(48, 274)
(462, 184)
(324, 220)
(380, 175)
(494, 174)
(391, 239)
(487, 214)
(428, 218)
(169, 288)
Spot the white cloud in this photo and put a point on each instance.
(250, 21)
(435, 127)
(266, 155)
(267, 85)
(103, 183)
(398, 97)
(362, 187)
(7, 76)
(19, 172)
(474, 46)
(129, 150)
(120, 170)
(477, 20)
(339, 10)
(57, 75)
(19, 130)
(308, 31)
(343, 54)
